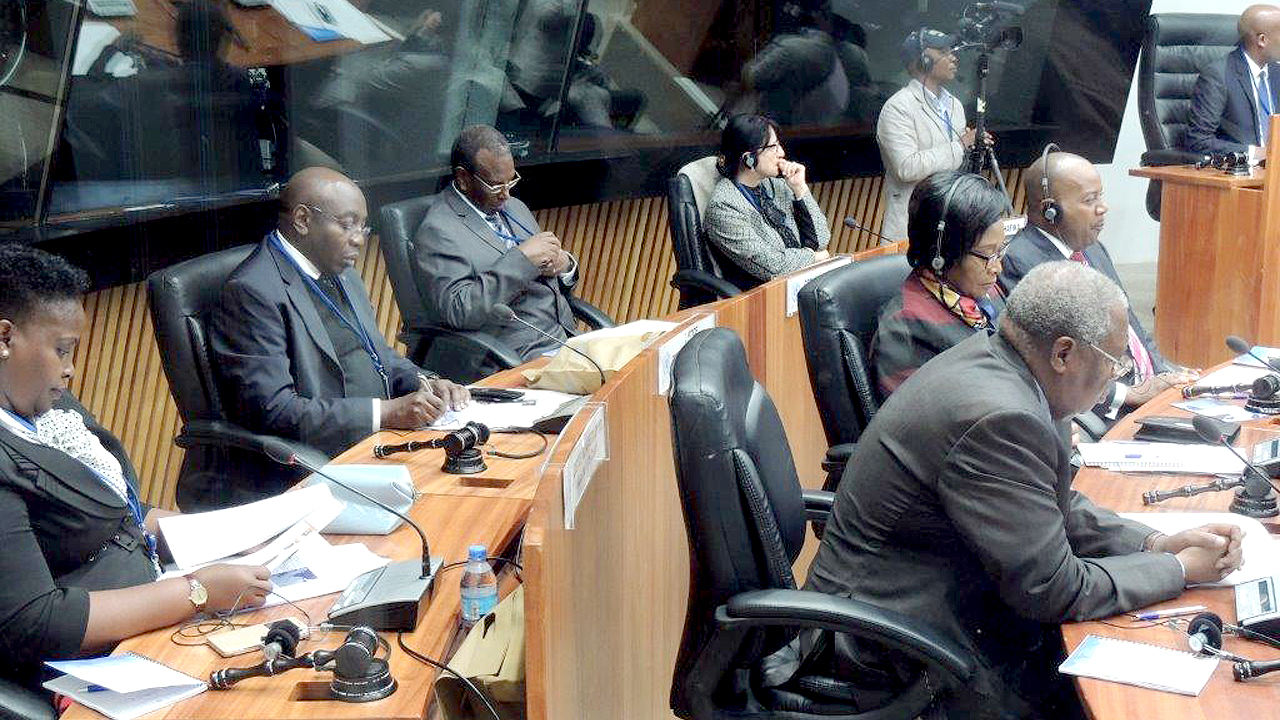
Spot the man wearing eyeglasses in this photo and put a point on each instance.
(957, 508)
(479, 247)
(296, 346)
(1065, 215)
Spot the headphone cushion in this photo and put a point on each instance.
(1208, 626)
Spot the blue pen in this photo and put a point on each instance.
(95, 688)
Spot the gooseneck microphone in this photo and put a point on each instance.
(1257, 497)
(391, 597)
(505, 312)
(1238, 346)
(849, 222)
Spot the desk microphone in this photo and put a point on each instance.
(506, 313)
(849, 222)
(1256, 498)
(1238, 346)
(387, 598)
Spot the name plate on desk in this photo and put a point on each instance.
(591, 449)
(668, 350)
(800, 279)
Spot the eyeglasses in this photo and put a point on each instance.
(497, 189)
(993, 260)
(770, 146)
(1119, 368)
(347, 226)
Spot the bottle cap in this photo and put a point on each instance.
(477, 552)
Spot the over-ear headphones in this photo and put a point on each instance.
(1049, 207)
(1204, 634)
(937, 261)
(926, 62)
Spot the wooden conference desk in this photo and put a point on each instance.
(1222, 697)
(604, 602)
(1219, 267)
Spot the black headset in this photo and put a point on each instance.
(749, 159)
(937, 261)
(1204, 634)
(1049, 207)
(926, 62)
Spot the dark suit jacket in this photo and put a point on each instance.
(64, 533)
(1224, 117)
(957, 508)
(277, 369)
(462, 269)
(1030, 247)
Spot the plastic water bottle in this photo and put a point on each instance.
(479, 586)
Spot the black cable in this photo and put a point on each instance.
(519, 456)
(424, 659)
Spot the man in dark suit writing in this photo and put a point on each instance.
(1234, 97)
(957, 505)
(296, 344)
(479, 247)
(1068, 188)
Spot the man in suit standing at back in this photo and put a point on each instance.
(479, 247)
(1065, 214)
(297, 348)
(1235, 96)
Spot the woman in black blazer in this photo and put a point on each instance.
(79, 561)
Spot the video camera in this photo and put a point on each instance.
(985, 25)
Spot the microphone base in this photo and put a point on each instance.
(1245, 504)
(390, 598)
(1263, 406)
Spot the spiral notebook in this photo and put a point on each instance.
(1141, 664)
(122, 687)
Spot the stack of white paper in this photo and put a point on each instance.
(122, 687)
(1135, 663)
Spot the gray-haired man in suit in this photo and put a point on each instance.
(479, 247)
(957, 506)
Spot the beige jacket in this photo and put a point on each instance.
(914, 144)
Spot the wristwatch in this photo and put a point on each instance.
(198, 595)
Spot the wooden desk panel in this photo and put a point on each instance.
(1222, 697)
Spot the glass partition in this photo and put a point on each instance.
(127, 109)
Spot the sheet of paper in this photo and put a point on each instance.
(195, 539)
(1218, 409)
(94, 38)
(1271, 354)
(536, 403)
(338, 17)
(1261, 552)
(635, 327)
(124, 673)
(1131, 456)
(318, 568)
(1234, 374)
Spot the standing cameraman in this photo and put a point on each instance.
(922, 126)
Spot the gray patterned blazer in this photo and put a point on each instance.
(740, 232)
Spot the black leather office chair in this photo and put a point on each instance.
(839, 312)
(181, 298)
(697, 275)
(745, 513)
(1176, 48)
(20, 703)
(463, 350)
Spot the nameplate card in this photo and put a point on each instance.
(671, 347)
(584, 459)
(800, 279)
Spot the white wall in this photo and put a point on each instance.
(1131, 235)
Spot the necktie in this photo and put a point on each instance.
(1264, 107)
(495, 222)
(1142, 365)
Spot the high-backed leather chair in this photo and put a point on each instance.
(839, 312)
(1176, 48)
(745, 514)
(697, 275)
(181, 298)
(462, 351)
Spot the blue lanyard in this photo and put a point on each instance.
(355, 327)
(751, 198)
(512, 238)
